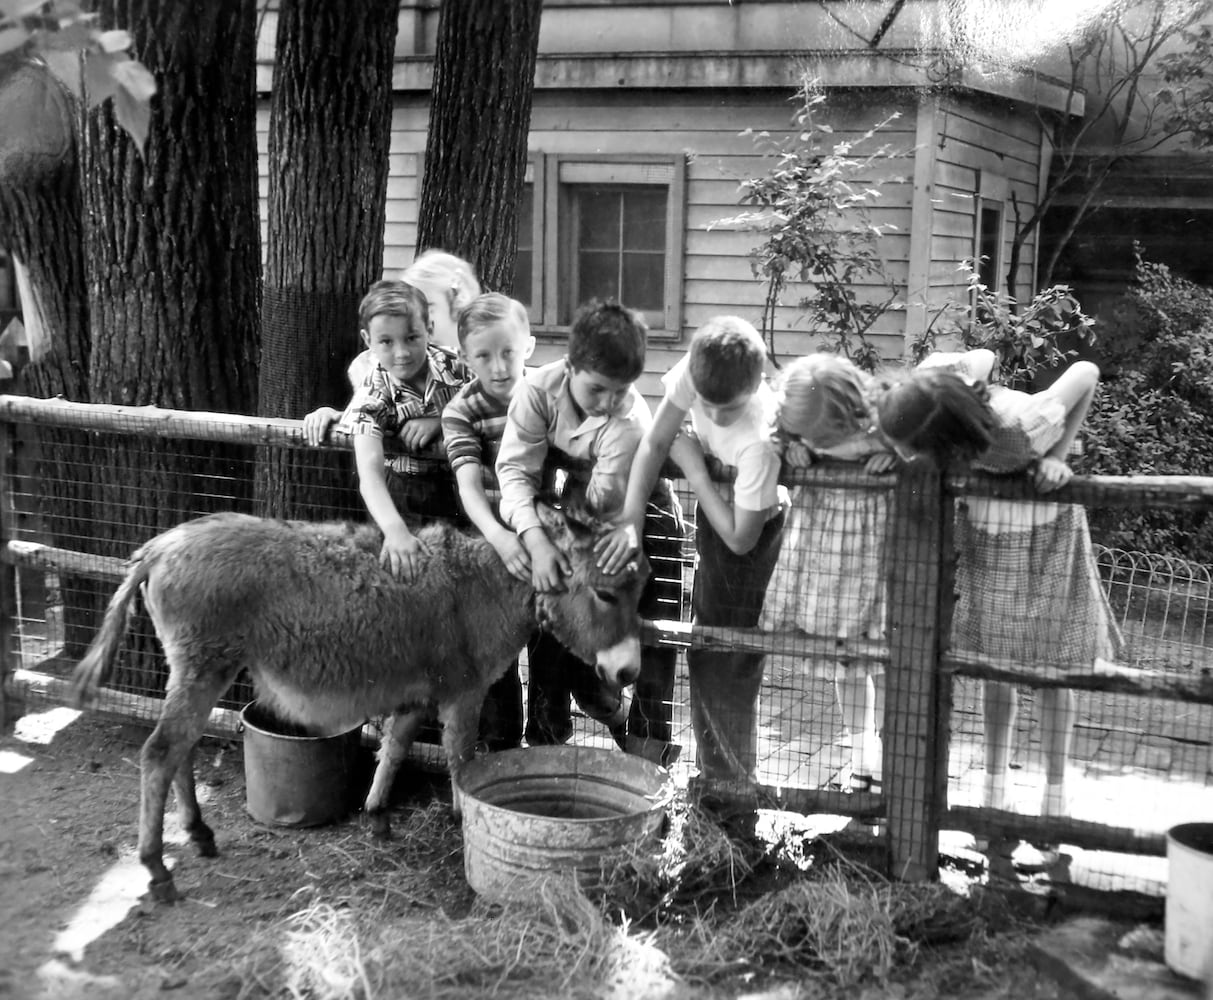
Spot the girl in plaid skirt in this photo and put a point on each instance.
(829, 579)
(1027, 584)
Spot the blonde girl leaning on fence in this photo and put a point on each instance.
(829, 580)
(1027, 585)
(449, 284)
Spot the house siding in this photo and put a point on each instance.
(700, 89)
(706, 128)
(971, 137)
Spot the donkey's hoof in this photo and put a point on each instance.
(163, 892)
(381, 826)
(203, 838)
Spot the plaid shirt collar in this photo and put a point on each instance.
(444, 370)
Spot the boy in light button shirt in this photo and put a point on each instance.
(583, 415)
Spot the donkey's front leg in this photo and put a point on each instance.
(401, 731)
(460, 719)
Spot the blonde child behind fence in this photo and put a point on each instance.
(829, 580)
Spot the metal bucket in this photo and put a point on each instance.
(529, 813)
(1189, 933)
(292, 779)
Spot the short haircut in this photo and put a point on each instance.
(726, 359)
(444, 272)
(609, 339)
(394, 298)
(938, 414)
(824, 400)
(491, 308)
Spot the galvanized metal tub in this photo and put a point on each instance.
(530, 813)
(292, 779)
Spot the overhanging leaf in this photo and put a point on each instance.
(134, 115)
(99, 73)
(114, 41)
(66, 67)
(135, 79)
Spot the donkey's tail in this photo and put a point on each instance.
(98, 663)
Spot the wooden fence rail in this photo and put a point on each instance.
(919, 668)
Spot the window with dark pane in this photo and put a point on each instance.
(524, 259)
(989, 245)
(618, 238)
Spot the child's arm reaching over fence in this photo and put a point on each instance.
(402, 551)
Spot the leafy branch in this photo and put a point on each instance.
(95, 65)
(1025, 337)
(812, 206)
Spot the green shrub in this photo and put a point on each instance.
(1154, 412)
(1027, 338)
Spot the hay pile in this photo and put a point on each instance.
(559, 946)
(662, 924)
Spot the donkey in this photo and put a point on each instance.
(331, 638)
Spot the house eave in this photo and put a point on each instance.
(776, 70)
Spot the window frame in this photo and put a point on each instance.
(991, 193)
(552, 173)
(535, 176)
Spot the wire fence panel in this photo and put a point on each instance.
(921, 650)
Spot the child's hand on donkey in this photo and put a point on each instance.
(515, 557)
(402, 553)
(549, 567)
(617, 547)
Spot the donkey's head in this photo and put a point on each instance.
(596, 615)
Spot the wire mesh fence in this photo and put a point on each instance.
(917, 650)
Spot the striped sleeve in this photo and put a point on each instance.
(463, 445)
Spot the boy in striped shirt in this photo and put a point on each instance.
(494, 341)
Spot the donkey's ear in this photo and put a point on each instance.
(580, 519)
(564, 527)
(555, 524)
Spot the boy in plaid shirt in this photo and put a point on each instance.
(402, 396)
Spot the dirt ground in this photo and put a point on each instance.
(74, 923)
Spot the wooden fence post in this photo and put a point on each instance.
(917, 694)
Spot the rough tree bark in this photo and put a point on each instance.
(172, 263)
(41, 223)
(330, 129)
(172, 244)
(480, 115)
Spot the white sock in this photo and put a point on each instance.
(995, 791)
(1056, 802)
(867, 755)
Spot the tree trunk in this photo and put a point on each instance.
(40, 223)
(172, 245)
(328, 154)
(172, 260)
(480, 115)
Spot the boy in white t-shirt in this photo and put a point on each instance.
(720, 384)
